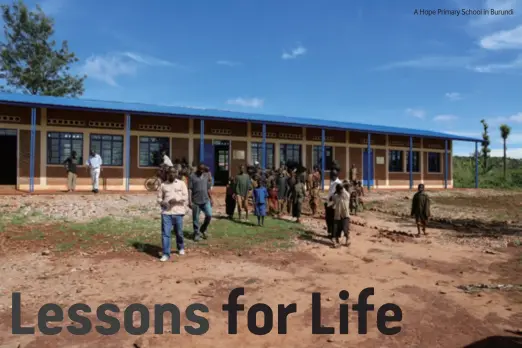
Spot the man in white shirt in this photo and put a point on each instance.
(94, 163)
(329, 204)
(173, 198)
(166, 159)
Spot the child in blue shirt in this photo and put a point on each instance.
(260, 196)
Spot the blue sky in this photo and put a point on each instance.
(361, 61)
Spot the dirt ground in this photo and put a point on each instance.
(475, 240)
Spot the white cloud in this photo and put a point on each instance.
(444, 118)
(419, 113)
(476, 21)
(107, 68)
(511, 153)
(294, 53)
(504, 39)
(430, 62)
(228, 63)
(516, 118)
(147, 60)
(498, 67)
(247, 102)
(514, 138)
(453, 96)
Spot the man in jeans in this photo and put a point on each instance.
(172, 197)
(200, 200)
(243, 184)
(71, 164)
(94, 163)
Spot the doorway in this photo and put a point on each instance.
(221, 163)
(8, 144)
(367, 168)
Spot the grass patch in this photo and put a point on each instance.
(145, 234)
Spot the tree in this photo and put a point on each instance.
(29, 61)
(485, 145)
(504, 133)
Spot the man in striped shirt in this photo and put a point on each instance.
(173, 199)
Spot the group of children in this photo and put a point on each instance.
(289, 190)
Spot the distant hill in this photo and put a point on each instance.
(464, 173)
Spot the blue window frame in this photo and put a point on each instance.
(109, 147)
(395, 161)
(150, 150)
(61, 144)
(290, 153)
(434, 162)
(317, 155)
(257, 154)
(416, 162)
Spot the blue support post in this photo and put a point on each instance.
(263, 148)
(476, 166)
(368, 159)
(410, 157)
(32, 150)
(323, 158)
(202, 141)
(446, 164)
(127, 151)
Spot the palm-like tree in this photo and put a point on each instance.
(504, 133)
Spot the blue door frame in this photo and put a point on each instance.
(209, 157)
(368, 171)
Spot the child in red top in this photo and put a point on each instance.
(272, 199)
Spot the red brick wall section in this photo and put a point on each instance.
(314, 134)
(88, 119)
(179, 149)
(340, 157)
(362, 138)
(274, 131)
(160, 124)
(356, 158)
(235, 163)
(222, 128)
(18, 114)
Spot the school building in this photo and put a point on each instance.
(37, 133)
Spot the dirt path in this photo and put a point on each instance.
(418, 274)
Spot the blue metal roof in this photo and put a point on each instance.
(163, 110)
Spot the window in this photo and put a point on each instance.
(290, 153)
(395, 161)
(257, 154)
(434, 162)
(317, 155)
(109, 147)
(7, 132)
(60, 145)
(416, 162)
(150, 150)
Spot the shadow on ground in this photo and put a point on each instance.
(497, 342)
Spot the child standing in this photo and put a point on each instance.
(314, 196)
(272, 199)
(260, 197)
(297, 195)
(342, 214)
(230, 200)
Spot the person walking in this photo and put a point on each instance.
(71, 165)
(173, 198)
(328, 205)
(420, 209)
(94, 163)
(200, 200)
(341, 207)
